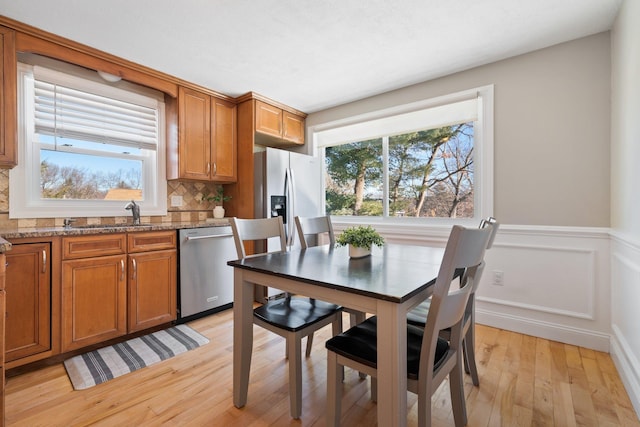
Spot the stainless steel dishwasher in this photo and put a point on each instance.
(206, 281)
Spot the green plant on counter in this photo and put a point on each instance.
(218, 197)
(360, 236)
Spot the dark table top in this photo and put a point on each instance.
(394, 272)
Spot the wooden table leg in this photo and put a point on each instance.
(242, 337)
(392, 365)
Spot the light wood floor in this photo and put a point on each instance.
(524, 381)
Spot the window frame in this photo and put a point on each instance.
(24, 179)
(483, 158)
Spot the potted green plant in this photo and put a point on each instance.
(360, 240)
(218, 197)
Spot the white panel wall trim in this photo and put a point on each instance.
(556, 284)
(556, 279)
(627, 365)
(625, 317)
(576, 271)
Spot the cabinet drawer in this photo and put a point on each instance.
(151, 241)
(93, 245)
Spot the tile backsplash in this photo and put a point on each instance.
(192, 209)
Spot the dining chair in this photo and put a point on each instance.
(430, 358)
(291, 317)
(418, 316)
(309, 230)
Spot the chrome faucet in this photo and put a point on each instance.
(135, 211)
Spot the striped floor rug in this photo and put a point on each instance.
(96, 367)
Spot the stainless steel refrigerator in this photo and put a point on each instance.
(286, 184)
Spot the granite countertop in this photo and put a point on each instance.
(100, 229)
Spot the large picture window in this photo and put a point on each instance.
(427, 160)
(86, 147)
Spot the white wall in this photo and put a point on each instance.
(625, 197)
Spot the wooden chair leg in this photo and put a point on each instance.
(336, 328)
(456, 390)
(470, 358)
(374, 389)
(334, 390)
(354, 319)
(295, 375)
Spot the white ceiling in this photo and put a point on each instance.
(314, 54)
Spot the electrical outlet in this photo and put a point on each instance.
(176, 201)
(498, 278)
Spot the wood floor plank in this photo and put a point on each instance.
(524, 381)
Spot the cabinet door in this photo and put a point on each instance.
(8, 99)
(152, 289)
(94, 300)
(194, 130)
(268, 119)
(28, 315)
(293, 128)
(224, 140)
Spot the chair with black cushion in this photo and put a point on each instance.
(291, 317)
(418, 316)
(310, 230)
(430, 358)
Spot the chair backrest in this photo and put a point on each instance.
(490, 221)
(465, 250)
(310, 228)
(257, 229)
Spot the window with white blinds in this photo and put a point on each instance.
(62, 111)
(86, 146)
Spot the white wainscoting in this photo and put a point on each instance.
(625, 317)
(575, 285)
(556, 280)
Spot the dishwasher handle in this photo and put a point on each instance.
(212, 236)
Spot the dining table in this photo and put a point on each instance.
(388, 283)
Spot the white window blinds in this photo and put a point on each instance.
(398, 123)
(90, 111)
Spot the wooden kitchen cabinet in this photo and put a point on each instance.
(278, 123)
(152, 279)
(268, 122)
(94, 289)
(28, 313)
(8, 99)
(205, 149)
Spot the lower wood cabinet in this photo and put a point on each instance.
(94, 300)
(153, 278)
(28, 314)
(132, 287)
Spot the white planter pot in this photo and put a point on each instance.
(218, 212)
(357, 252)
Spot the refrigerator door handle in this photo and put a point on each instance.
(290, 192)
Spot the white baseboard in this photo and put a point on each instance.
(628, 366)
(551, 331)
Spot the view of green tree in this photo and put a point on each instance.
(355, 164)
(430, 174)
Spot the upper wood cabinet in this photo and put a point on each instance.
(271, 123)
(205, 149)
(8, 98)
